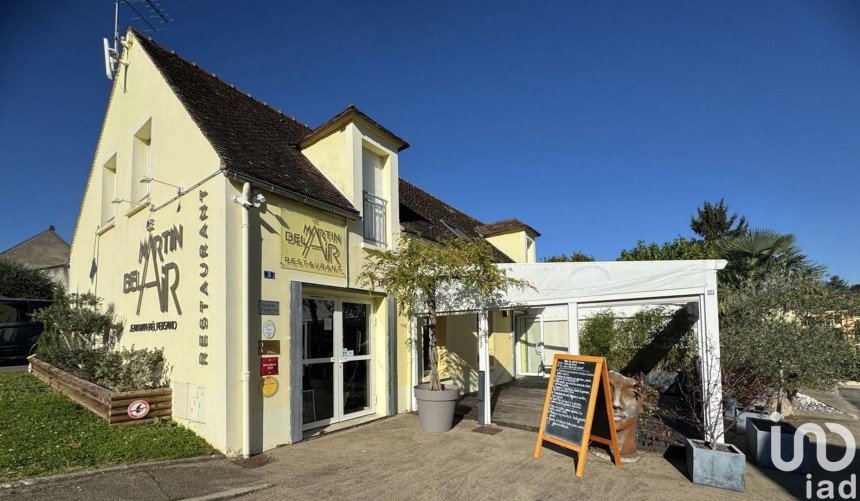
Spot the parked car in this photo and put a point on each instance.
(19, 334)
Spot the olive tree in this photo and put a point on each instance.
(417, 271)
(781, 325)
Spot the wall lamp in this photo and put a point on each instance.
(149, 179)
(118, 201)
(256, 201)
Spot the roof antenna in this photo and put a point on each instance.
(149, 13)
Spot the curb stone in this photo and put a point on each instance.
(232, 493)
(27, 482)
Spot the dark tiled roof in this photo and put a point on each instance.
(505, 226)
(425, 216)
(45, 250)
(251, 138)
(344, 115)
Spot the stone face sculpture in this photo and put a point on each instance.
(627, 398)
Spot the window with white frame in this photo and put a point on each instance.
(141, 162)
(108, 190)
(374, 193)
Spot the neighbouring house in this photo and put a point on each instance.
(46, 251)
(231, 235)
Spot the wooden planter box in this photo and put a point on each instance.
(111, 406)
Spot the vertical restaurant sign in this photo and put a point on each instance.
(313, 243)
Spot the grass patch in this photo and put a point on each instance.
(42, 432)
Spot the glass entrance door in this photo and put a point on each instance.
(355, 360)
(336, 360)
(530, 345)
(539, 340)
(318, 362)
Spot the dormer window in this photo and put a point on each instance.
(374, 196)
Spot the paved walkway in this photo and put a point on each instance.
(394, 459)
(852, 395)
(14, 366)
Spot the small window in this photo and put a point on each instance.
(108, 190)
(375, 210)
(531, 257)
(141, 162)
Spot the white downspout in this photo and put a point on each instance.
(246, 317)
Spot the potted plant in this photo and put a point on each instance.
(760, 435)
(711, 461)
(418, 273)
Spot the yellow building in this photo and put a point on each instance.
(231, 235)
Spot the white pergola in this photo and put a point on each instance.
(599, 284)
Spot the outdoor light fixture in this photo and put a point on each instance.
(117, 201)
(255, 202)
(149, 179)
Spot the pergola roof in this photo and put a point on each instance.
(609, 280)
(601, 281)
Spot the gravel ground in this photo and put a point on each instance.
(806, 403)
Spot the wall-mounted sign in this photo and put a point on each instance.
(269, 274)
(154, 326)
(269, 329)
(312, 243)
(154, 272)
(269, 366)
(270, 347)
(268, 386)
(270, 307)
(138, 409)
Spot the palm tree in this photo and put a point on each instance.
(755, 252)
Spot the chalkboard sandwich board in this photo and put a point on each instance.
(578, 408)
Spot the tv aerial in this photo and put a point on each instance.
(149, 14)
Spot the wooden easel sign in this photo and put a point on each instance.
(578, 408)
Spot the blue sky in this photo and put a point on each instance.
(599, 123)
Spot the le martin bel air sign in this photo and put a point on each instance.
(313, 244)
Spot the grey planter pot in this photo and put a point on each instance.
(436, 408)
(723, 469)
(741, 426)
(760, 437)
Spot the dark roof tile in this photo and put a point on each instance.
(250, 138)
(425, 216)
(505, 226)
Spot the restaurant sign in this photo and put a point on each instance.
(313, 244)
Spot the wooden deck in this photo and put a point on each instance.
(516, 404)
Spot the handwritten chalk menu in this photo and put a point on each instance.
(578, 408)
(568, 401)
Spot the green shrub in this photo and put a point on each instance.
(19, 281)
(781, 324)
(81, 339)
(650, 339)
(132, 369)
